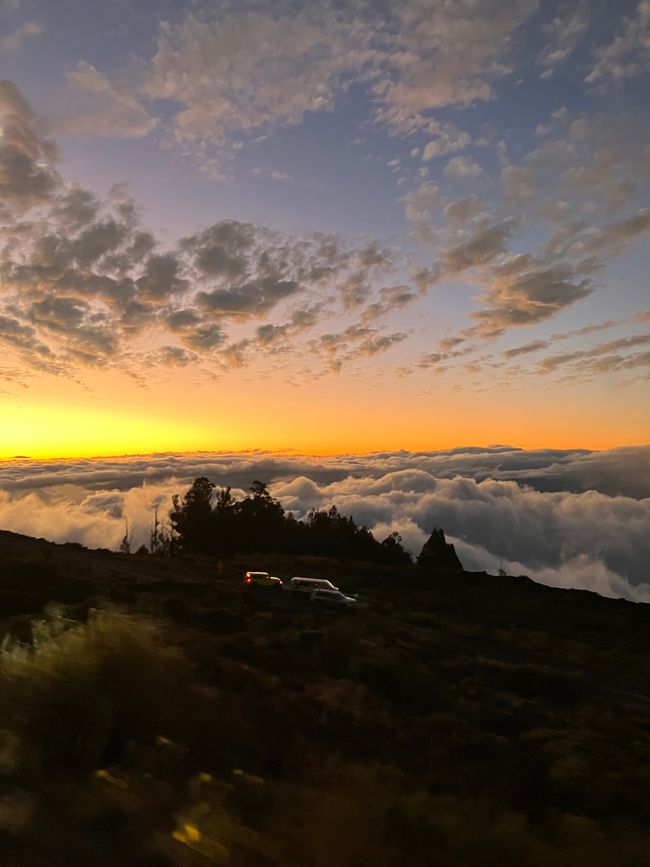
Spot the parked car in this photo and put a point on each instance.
(308, 585)
(332, 598)
(261, 579)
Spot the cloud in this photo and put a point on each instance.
(84, 283)
(461, 211)
(533, 346)
(78, 274)
(448, 140)
(519, 183)
(481, 248)
(253, 269)
(108, 110)
(538, 513)
(255, 298)
(462, 168)
(533, 294)
(23, 33)
(390, 298)
(569, 187)
(161, 277)
(418, 205)
(357, 341)
(603, 358)
(439, 57)
(598, 160)
(249, 68)
(172, 356)
(244, 68)
(27, 160)
(565, 31)
(627, 55)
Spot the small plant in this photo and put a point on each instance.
(81, 692)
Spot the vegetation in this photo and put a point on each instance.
(207, 522)
(158, 714)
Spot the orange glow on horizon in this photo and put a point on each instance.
(336, 415)
(46, 432)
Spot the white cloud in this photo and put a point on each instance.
(536, 513)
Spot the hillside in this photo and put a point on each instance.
(450, 718)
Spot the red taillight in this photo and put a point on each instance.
(248, 580)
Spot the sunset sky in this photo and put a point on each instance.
(324, 227)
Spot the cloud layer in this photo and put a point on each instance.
(83, 281)
(565, 518)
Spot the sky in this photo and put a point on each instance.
(328, 227)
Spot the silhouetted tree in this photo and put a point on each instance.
(332, 534)
(125, 544)
(226, 528)
(192, 520)
(209, 522)
(437, 553)
(393, 550)
(262, 521)
(156, 541)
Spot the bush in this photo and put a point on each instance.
(81, 692)
(408, 687)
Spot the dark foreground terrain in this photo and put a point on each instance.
(154, 713)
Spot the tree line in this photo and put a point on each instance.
(209, 520)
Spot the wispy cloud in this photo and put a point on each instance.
(25, 32)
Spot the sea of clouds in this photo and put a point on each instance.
(566, 518)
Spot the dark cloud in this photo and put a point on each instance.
(27, 160)
(161, 278)
(59, 314)
(378, 343)
(254, 298)
(534, 346)
(76, 207)
(531, 295)
(205, 338)
(460, 212)
(481, 248)
(604, 354)
(357, 341)
(390, 298)
(223, 250)
(172, 356)
(269, 333)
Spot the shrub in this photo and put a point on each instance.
(409, 688)
(80, 693)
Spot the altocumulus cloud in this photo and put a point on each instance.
(565, 518)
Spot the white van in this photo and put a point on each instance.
(308, 585)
